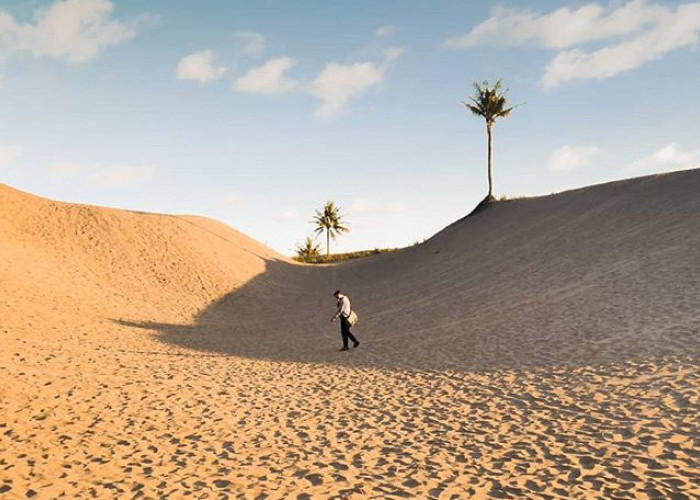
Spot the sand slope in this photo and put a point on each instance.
(113, 261)
(547, 347)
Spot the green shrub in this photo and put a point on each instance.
(337, 257)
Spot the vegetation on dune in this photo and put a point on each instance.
(490, 104)
(341, 256)
(513, 197)
(308, 251)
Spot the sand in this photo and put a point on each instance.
(545, 348)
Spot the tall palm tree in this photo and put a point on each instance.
(307, 251)
(330, 221)
(490, 104)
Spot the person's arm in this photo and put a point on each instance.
(340, 308)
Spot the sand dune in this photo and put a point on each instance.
(545, 348)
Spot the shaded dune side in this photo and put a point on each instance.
(596, 275)
(63, 263)
(600, 274)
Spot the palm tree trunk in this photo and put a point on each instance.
(328, 243)
(488, 134)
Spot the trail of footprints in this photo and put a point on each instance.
(132, 426)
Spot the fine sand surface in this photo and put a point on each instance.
(544, 348)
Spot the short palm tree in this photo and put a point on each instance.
(330, 221)
(490, 104)
(308, 251)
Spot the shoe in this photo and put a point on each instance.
(356, 344)
(344, 349)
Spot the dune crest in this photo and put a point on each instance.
(61, 256)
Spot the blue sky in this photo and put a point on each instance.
(257, 113)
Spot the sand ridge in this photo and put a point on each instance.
(547, 348)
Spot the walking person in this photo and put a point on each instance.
(344, 312)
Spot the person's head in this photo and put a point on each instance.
(337, 294)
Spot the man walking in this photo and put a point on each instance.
(344, 311)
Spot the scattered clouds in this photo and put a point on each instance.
(334, 86)
(568, 158)
(365, 206)
(75, 30)
(199, 66)
(667, 159)
(269, 78)
(8, 154)
(112, 177)
(385, 31)
(636, 33)
(249, 43)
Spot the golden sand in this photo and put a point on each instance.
(545, 348)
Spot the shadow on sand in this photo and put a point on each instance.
(282, 315)
(594, 276)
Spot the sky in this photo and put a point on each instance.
(258, 113)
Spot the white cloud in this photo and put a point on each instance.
(385, 31)
(75, 30)
(667, 159)
(199, 66)
(65, 169)
(120, 176)
(334, 86)
(249, 43)
(637, 32)
(365, 206)
(568, 158)
(268, 78)
(8, 154)
(560, 29)
(673, 31)
(339, 83)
